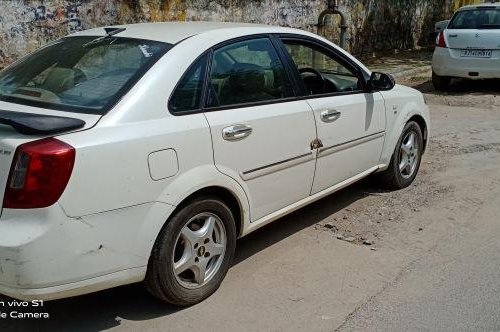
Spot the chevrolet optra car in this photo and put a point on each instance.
(469, 46)
(142, 152)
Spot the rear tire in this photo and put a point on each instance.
(406, 159)
(441, 83)
(192, 253)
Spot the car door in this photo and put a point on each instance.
(350, 121)
(261, 133)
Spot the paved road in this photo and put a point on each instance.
(455, 284)
(435, 267)
(453, 287)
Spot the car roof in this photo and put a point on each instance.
(174, 32)
(479, 5)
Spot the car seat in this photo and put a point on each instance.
(246, 83)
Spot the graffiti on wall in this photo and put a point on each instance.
(27, 25)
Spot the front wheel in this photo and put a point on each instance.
(405, 161)
(192, 253)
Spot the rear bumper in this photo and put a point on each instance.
(75, 288)
(447, 62)
(44, 254)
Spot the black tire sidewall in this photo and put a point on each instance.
(164, 279)
(440, 82)
(401, 181)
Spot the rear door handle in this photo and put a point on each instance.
(236, 132)
(330, 116)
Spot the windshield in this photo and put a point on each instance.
(479, 18)
(80, 74)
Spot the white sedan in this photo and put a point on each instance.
(142, 152)
(469, 46)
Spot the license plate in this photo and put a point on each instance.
(476, 53)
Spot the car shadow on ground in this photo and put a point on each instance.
(105, 309)
(462, 87)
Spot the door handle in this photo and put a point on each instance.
(330, 116)
(236, 132)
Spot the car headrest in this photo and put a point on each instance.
(483, 19)
(247, 77)
(59, 79)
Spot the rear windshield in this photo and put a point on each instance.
(80, 74)
(479, 18)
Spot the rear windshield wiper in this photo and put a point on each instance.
(109, 33)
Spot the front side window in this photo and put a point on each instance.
(247, 72)
(320, 72)
(79, 74)
(481, 18)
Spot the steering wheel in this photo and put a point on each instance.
(317, 75)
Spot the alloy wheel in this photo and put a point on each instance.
(199, 250)
(408, 155)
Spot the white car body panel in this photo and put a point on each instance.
(448, 62)
(277, 150)
(10, 138)
(101, 231)
(126, 175)
(90, 245)
(451, 62)
(402, 104)
(297, 205)
(353, 142)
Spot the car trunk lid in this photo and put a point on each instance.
(479, 39)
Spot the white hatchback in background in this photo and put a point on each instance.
(142, 152)
(469, 47)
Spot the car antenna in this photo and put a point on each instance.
(109, 33)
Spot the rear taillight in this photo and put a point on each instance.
(440, 40)
(39, 174)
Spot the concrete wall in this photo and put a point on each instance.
(374, 25)
(460, 3)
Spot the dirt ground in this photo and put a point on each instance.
(367, 221)
(317, 268)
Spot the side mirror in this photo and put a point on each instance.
(440, 26)
(382, 82)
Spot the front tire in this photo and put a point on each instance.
(192, 253)
(441, 83)
(406, 159)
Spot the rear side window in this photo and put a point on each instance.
(481, 18)
(188, 93)
(247, 72)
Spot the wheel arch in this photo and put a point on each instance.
(221, 193)
(414, 110)
(423, 127)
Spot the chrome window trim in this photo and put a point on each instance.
(294, 161)
(277, 166)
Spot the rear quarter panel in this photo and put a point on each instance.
(111, 170)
